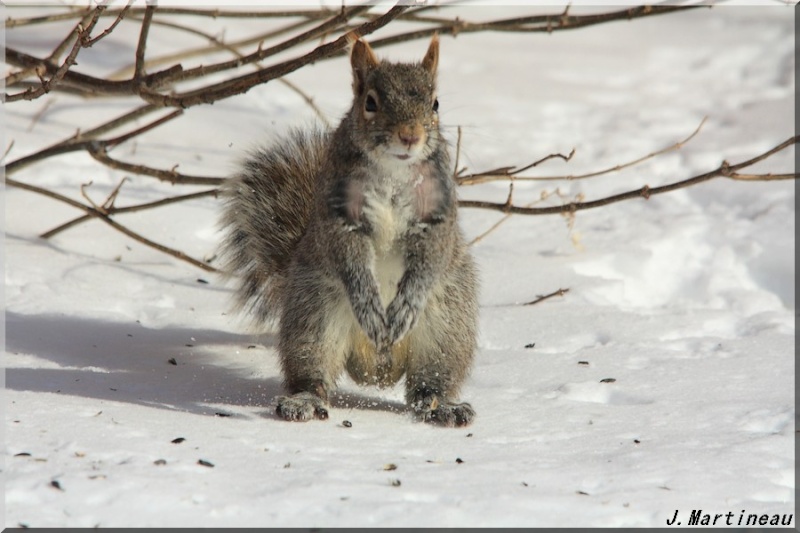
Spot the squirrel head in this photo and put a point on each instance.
(395, 109)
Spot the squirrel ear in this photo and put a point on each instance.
(362, 59)
(431, 59)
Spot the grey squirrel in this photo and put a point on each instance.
(349, 239)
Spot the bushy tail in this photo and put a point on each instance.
(267, 205)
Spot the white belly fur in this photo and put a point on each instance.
(389, 269)
(389, 222)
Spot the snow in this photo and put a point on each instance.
(663, 379)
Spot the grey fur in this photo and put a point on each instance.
(350, 239)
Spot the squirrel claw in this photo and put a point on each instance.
(401, 318)
(433, 411)
(384, 360)
(450, 415)
(301, 407)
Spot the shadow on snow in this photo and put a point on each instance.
(130, 363)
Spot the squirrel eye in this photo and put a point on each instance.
(370, 106)
(435, 105)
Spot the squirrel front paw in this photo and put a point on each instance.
(301, 407)
(400, 318)
(372, 317)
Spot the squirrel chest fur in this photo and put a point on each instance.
(349, 239)
(392, 207)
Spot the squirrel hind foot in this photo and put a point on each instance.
(301, 407)
(433, 411)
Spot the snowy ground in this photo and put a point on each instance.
(686, 300)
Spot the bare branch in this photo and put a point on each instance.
(532, 24)
(71, 39)
(113, 124)
(145, 86)
(91, 211)
(219, 45)
(8, 149)
(559, 292)
(242, 84)
(724, 170)
(496, 225)
(215, 13)
(505, 172)
(98, 151)
(139, 207)
(87, 144)
(456, 171)
(239, 85)
(39, 114)
(81, 33)
(138, 73)
(201, 51)
(113, 25)
(85, 195)
(762, 177)
(90, 84)
(313, 25)
(308, 100)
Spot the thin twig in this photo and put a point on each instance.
(458, 154)
(504, 173)
(565, 158)
(493, 227)
(559, 292)
(70, 39)
(762, 177)
(99, 152)
(530, 24)
(113, 25)
(113, 124)
(111, 222)
(147, 86)
(506, 217)
(244, 83)
(138, 131)
(138, 71)
(8, 149)
(215, 13)
(724, 170)
(91, 85)
(86, 197)
(129, 209)
(307, 99)
(239, 85)
(15, 78)
(39, 114)
(204, 50)
(84, 144)
(220, 45)
(46, 86)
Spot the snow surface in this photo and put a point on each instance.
(687, 301)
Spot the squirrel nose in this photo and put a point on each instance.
(408, 139)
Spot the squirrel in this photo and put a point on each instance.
(349, 238)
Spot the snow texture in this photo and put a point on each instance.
(662, 381)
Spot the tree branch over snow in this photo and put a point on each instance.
(725, 170)
(196, 76)
(99, 214)
(81, 35)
